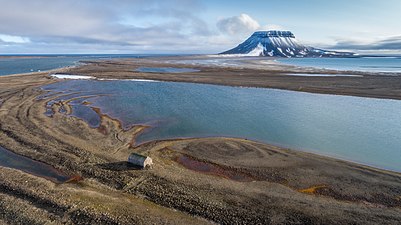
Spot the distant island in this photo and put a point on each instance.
(276, 43)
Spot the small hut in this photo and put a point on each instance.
(139, 160)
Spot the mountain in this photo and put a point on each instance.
(280, 44)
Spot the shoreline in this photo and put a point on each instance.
(169, 192)
(271, 76)
(144, 128)
(56, 70)
(239, 86)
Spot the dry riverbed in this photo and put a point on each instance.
(193, 181)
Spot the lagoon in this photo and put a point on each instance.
(364, 130)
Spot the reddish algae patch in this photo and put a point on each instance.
(212, 169)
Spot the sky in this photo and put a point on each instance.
(193, 26)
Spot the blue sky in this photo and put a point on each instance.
(192, 26)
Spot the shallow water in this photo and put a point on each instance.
(366, 64)
(12, 160)
(364, 130)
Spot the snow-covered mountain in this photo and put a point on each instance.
(280, 44)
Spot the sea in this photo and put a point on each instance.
(387, 64)
(17, 64)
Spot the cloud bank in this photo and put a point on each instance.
(76, 26)
(386, 44)
(131, 26)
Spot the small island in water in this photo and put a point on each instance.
(272, 131)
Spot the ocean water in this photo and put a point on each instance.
(10, 66)
(366, 64)
(27, 65)
(363, 130)
(37, 63)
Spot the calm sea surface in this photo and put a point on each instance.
(364, 130)
(10, 66)
(375, 64)
(370, 64)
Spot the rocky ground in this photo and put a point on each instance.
(210, 180)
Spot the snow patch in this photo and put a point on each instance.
(258, 51)
(80, 77)
(72, 77)
(283, 43)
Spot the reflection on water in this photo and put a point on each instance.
(365, 130)
(367, 64)
(12, 160)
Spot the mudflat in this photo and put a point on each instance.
(193, 181)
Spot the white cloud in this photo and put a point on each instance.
(42, 25)
(271, 27)
(74, 26)
(238, 24)
(242, 24)
(13, 39)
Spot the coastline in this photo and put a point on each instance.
(350, 192)
(67, 69)
(371, 85)
(385, 165)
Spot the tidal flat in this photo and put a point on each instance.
(193, 180)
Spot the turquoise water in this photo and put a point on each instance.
(359, 129)
(370, 64)
(165, 70)
(12, 160)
